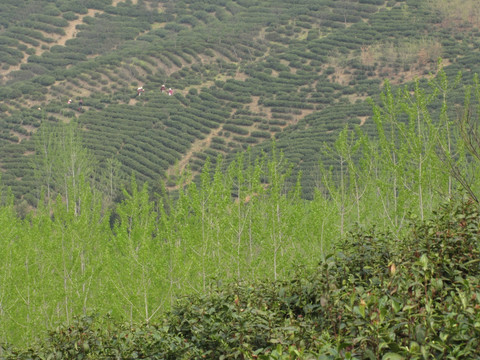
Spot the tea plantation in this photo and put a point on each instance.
(242, 72)
(248, 179)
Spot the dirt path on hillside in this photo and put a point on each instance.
(255, 107)
(70, 33)
(197, 146)
(71, 29)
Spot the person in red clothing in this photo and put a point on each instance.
(163, 88)
(140, 90)
(170, 91)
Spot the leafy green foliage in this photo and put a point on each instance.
(375, 298)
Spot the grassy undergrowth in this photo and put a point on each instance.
(375, 297)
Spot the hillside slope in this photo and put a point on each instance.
(241, 71)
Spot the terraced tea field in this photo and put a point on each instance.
(242, 72)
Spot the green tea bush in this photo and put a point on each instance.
(70, 16)
(261, 134)
(52, 20)
(235, 129)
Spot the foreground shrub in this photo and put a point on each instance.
(104, 338)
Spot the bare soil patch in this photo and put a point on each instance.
(71, 29)
(258, 109)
